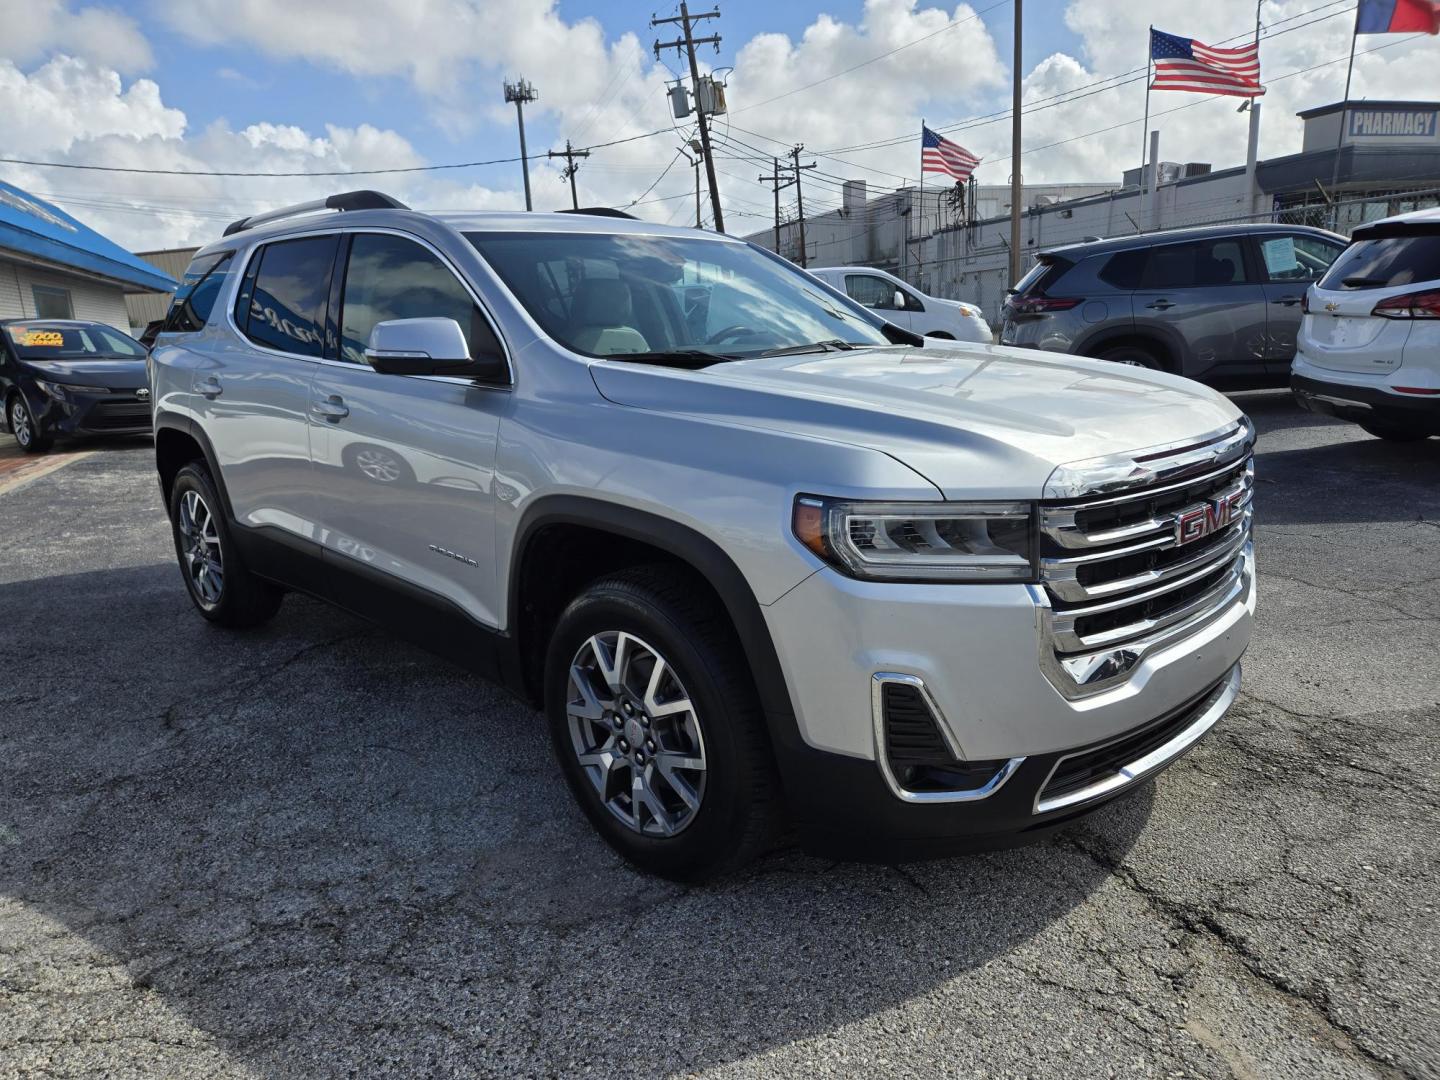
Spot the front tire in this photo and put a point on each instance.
(657, 725)
(1395, 434)
(221, 587)
(30, 436)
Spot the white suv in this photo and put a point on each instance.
(759, 557)
(1369, 345)
(906, 306)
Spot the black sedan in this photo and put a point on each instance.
(63, 376)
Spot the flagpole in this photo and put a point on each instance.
(1145, 128)
(920, 258)
(1340, 134)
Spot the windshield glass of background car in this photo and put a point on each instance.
(41, 341)
(611, 294)
(1386, 263)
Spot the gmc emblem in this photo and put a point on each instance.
(1200, 521)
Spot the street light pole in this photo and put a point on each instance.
(1015, 185)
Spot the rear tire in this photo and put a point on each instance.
(1395, 434)
(29, 435)
(676, 773)
(221, 587)
(1133, 356)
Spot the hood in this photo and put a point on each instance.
(978, 421)
(112, 374)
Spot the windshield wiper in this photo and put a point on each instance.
(828, 345)
(686, 358)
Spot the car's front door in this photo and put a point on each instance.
(877, 293)
(405, 464)
(250, 393)
(1289, 263)
(1203, 297)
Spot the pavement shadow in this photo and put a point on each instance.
(329, 851)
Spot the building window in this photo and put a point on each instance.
(52, 303)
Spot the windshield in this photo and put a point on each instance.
(85, 341)
(621, 295)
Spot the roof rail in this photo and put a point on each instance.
(347, 200)
(600, 211)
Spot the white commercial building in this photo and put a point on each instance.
(1358, 162)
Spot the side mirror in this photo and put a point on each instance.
(898, 300)
(432, 346)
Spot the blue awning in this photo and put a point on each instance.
(31, 226)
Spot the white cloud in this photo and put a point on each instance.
(31, 29)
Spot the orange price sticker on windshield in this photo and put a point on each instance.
(43, 339)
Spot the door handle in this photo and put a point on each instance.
(332, 408)
(1288, 301)
(1160, 305)
(209, 387)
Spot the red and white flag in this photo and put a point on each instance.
(943, 156)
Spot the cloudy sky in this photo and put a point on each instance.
(276, 86)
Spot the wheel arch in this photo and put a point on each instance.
(1168, 351)
(613, 536)
(179, 440)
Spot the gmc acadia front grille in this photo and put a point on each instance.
(1149, 559)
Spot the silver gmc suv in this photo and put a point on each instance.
(766, 563)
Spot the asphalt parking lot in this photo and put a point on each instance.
(316, 851)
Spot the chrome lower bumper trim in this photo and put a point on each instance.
(877, 709)
(1208, 715)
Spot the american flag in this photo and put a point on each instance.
(1186, 64)
(943, 156)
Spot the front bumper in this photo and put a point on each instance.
(842, 807)
(1366, 401)
(93, 414)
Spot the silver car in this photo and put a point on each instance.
(1220, 304)
(759, 556)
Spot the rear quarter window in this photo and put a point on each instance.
(1124, 269)
(1386, 262)
(1048, 270)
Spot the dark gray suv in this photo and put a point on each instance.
(1220, 303)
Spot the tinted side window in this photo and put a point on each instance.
(870, 290)
(1200, 264)
(389, 277)
(1125, 269)
(288, 300)
(195, 298)
(1386, 263)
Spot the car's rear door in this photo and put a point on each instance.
(1289, 263)
(405, 464)
(250, 390)
(1204, 298)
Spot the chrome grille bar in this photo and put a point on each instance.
(1119, 577)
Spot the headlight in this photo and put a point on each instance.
(59, 390)
(923, 541)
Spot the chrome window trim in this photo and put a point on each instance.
(355, 230)
(1134, 772)
(877, 712)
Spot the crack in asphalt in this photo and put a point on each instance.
(1202, 923)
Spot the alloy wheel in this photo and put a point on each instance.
(20, 423)
(636, 733)
(200, 548)
(378, 465)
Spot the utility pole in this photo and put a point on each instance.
(568, 173)
(520, 93)
(795, 152)
(777, 182)
(1016, 189)
(688, 43)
